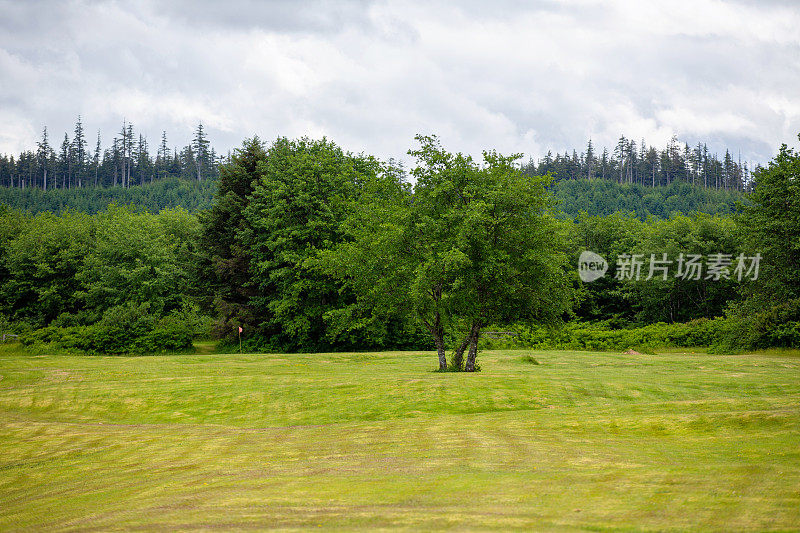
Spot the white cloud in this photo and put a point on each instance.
(16, 133)
(369, 75)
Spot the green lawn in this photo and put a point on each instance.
(592, 441)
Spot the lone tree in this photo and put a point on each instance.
(515, 269)
(468, 245)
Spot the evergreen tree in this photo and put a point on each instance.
(201, 152)
(65, 162)
(620, 152)
(225, 264)
(43, 155)
(163, 157)
(79, 153)
(96, 159)
(589, 160)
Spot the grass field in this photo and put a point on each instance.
(592, 441)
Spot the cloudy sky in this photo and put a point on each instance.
(516, 76)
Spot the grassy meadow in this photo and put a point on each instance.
(537, 440)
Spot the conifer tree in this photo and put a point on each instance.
(43, 156)
(79, 152)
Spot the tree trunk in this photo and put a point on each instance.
(437, 332)
(439, 341)
(458, 357)
(473, 348)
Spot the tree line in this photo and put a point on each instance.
(307, 247)
(127, 162)
(605, 197)
(638, 163)
(310, 248)
(572, 197)
(169, 192)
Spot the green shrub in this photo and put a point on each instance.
(62, 339)
(600, 336)
(171, 333)
(5, 324)
(776, 326)
(122, 329)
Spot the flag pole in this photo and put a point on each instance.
(240, 339)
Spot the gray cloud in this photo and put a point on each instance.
(286, 16)
(516, 76)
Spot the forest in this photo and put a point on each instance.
(639, 163)
(572, 197)
(308, 248)
(127, 162)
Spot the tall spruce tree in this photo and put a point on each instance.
(43, 154)
(79, 153)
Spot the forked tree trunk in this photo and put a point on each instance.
(458, 357)
(473, 349)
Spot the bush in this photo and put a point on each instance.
(599, 336)
(776, 326)
(170, 333)
(68, 339)
(122, 329)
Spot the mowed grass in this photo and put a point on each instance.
(592, 441)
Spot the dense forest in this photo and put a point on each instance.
(571, 197)
(604, 197)
(637, 163)
(128, 161)
(307, 247)
(169, 192)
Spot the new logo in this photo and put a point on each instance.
(591, 266)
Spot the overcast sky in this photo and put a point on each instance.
(515, 76)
